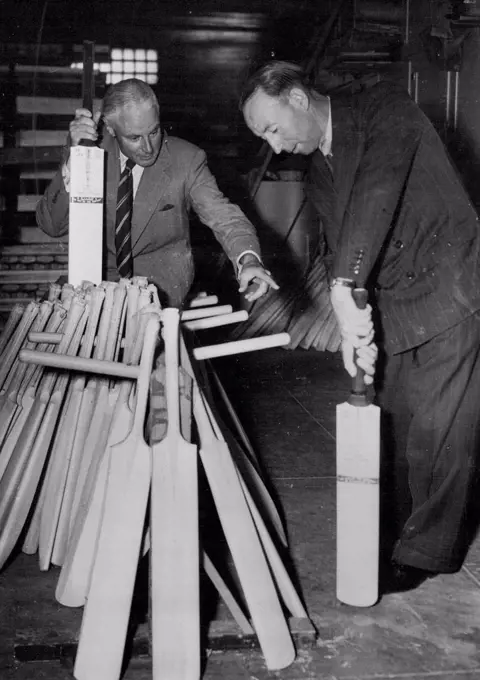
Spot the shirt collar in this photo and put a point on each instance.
(325, 145)
(123, 160)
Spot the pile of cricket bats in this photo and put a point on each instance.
(77, 373)
(55, 425)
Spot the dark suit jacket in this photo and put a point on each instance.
(178, 181)
(396, 217)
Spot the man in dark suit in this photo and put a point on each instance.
(396, 220)
(170, 177)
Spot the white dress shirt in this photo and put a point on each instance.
(326, 143)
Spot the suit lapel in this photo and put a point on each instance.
(154, 183)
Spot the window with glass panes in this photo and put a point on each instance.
(128, 63)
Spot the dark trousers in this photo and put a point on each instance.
(430, 398)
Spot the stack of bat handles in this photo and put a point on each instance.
(81, 374)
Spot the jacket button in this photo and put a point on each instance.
(410, 275)
(398, 244)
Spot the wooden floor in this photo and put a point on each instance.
(287, 403)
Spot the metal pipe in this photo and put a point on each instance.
(448, 94)
(456, 95)
(415, 89)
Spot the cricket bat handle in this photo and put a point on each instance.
(359, 389)
(88, 84)
(119, 370)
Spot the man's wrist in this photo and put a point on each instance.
(246, 260)
(342, 282)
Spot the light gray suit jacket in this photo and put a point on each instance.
(178, 182)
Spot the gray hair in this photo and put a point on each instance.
(129, 91)
(276, 79)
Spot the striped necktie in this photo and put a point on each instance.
(123, 222)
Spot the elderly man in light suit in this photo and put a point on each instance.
(170, 177)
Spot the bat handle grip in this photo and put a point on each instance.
(88, 84)
(358, 395)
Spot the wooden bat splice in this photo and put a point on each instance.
(216, 321)
(203, 300)
(201, 313)
(119, 370)
(358, 497)
(241, 346)
(174, 535)
(107, 610)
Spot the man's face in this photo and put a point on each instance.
(138, 132)
(287, 123)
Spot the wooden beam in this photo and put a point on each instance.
(30, 155)
(48, 105)
(39, 138)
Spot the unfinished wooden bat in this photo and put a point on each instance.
(107, 610)
(73, 583)
(9, 405)
(95, 437)
(59, 547)
(158, 422)
(174, 534)
(242, 538)
(25, 398)
(14, 317)
(61, 454)
(22, 474)
(16, 340)
(244, 462)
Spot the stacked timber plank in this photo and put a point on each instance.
(26, 271)
(38, 102)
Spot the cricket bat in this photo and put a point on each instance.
(14, 317)
(358, 471)
(107, 610)
(174, 534)
(85, 233)
(245, 546)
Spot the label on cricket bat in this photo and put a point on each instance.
(86, 174)
(358, 443)
(85, 239)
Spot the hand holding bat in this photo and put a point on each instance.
(357, 333)
(84, 126)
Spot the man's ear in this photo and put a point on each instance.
(298, 98)
(108, 127)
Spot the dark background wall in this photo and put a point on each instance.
(206, 48)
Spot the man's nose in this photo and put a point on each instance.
(147, 145)
(274, 143)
